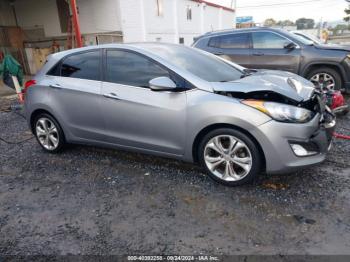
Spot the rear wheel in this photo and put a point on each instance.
(325, 78)
(230, 157)
(48, 133)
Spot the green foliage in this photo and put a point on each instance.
(273, 22)
(340, 27)
(270, 22)
(305, 23)
(347, 18)
(285, 23)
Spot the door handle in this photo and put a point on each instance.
(218, 53)
(111, 95)
(56, 86)
(258, 54)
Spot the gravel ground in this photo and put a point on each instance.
(89, 200)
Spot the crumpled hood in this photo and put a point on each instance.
(285, 83)
(333, 47)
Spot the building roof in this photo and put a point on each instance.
(214, 5)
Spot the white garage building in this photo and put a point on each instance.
(32, 29)
(176, 21)
(128, 20)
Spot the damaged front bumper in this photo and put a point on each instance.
(293, 146)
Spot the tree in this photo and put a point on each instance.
(305, 23)
(341, 27)
(347, 17)
(270, 22)
(285, 23)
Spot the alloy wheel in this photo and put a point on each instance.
(47, 133)
(323, 80)
(228, 158)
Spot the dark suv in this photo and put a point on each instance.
(267, 48)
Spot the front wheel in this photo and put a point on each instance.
(325, 78)
(230, 157)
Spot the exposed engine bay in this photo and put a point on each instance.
(291, 90)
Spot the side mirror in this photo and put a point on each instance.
(162, 83)
(290, 46)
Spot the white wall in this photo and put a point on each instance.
(159, 24)
(211, 19)
(39, 13)
(192, 26)
(137, 19)
(228, 19)
(98, 16)
(132, 20)
(143, 24)
(204, 18)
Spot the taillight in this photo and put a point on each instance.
(28, 84)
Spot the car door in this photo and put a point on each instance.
(75, 87)
(233, 47)
(270, 52)
(135, 116)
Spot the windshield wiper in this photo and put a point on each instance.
(248, 72)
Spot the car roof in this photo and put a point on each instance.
(240, 30)
(137, 46)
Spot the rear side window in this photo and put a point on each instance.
(55, 71)
(230, 41)
(132, 69)
(268, 40)
(84, 66)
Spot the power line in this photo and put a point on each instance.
(279, 4)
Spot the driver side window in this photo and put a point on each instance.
(268, 40)
(129, 68)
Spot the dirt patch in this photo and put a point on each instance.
(90, 200)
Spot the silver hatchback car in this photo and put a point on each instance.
(179, 102)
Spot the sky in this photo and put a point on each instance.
(328, 10)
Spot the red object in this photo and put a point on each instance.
(336, 135)
(76, 23)
(338, 100)
(27, 84)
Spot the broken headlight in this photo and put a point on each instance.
(281, 112)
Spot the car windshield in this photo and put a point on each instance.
(309, 37)
(300, 38)
(203, 65)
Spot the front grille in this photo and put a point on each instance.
(314, 104)
(317, 104)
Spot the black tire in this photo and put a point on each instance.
(336, 76)
(61, 139)
(257, 159)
